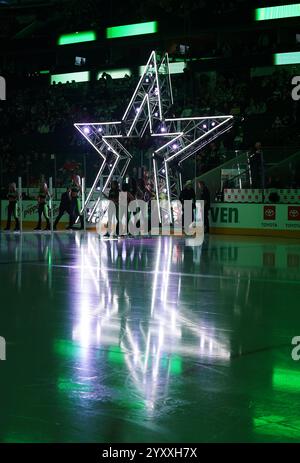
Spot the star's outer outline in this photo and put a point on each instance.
(150, 102)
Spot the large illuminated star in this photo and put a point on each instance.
(147, 109)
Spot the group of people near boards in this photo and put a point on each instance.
(69, 203)
(71, 198)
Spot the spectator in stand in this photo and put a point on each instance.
(277, 124)
(50, 111)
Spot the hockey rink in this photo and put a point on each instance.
(148, 339)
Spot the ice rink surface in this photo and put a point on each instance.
(149, 340)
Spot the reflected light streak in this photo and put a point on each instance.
(156, 348)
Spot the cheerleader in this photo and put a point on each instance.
(42, 198)
(12, 207)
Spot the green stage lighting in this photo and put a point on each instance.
(131, 29)
(286, 380)
(83, 76)
(174, 68)
(77, 37)
(287, 58)
(277, 12)
(115, 73)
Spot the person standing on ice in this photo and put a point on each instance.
(43, 209)
(64, 206)
(75, 207)
(12, 207)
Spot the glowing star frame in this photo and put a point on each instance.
(151, 99)
(104, 137)
(148, 108)
(189, 136)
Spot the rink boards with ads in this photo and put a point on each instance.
(225, 218)
(256, 219)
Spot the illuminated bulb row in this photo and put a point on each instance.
(87, 130)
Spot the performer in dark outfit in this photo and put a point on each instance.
(65, 206)
(113, 206)
(257, 167)
(188, 194)
(12, 196)
(142, 193)
(125, 198)
(204, 195)
(42, 198)
(75, 188)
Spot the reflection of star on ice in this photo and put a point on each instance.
(150, 103)
(171, 333)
